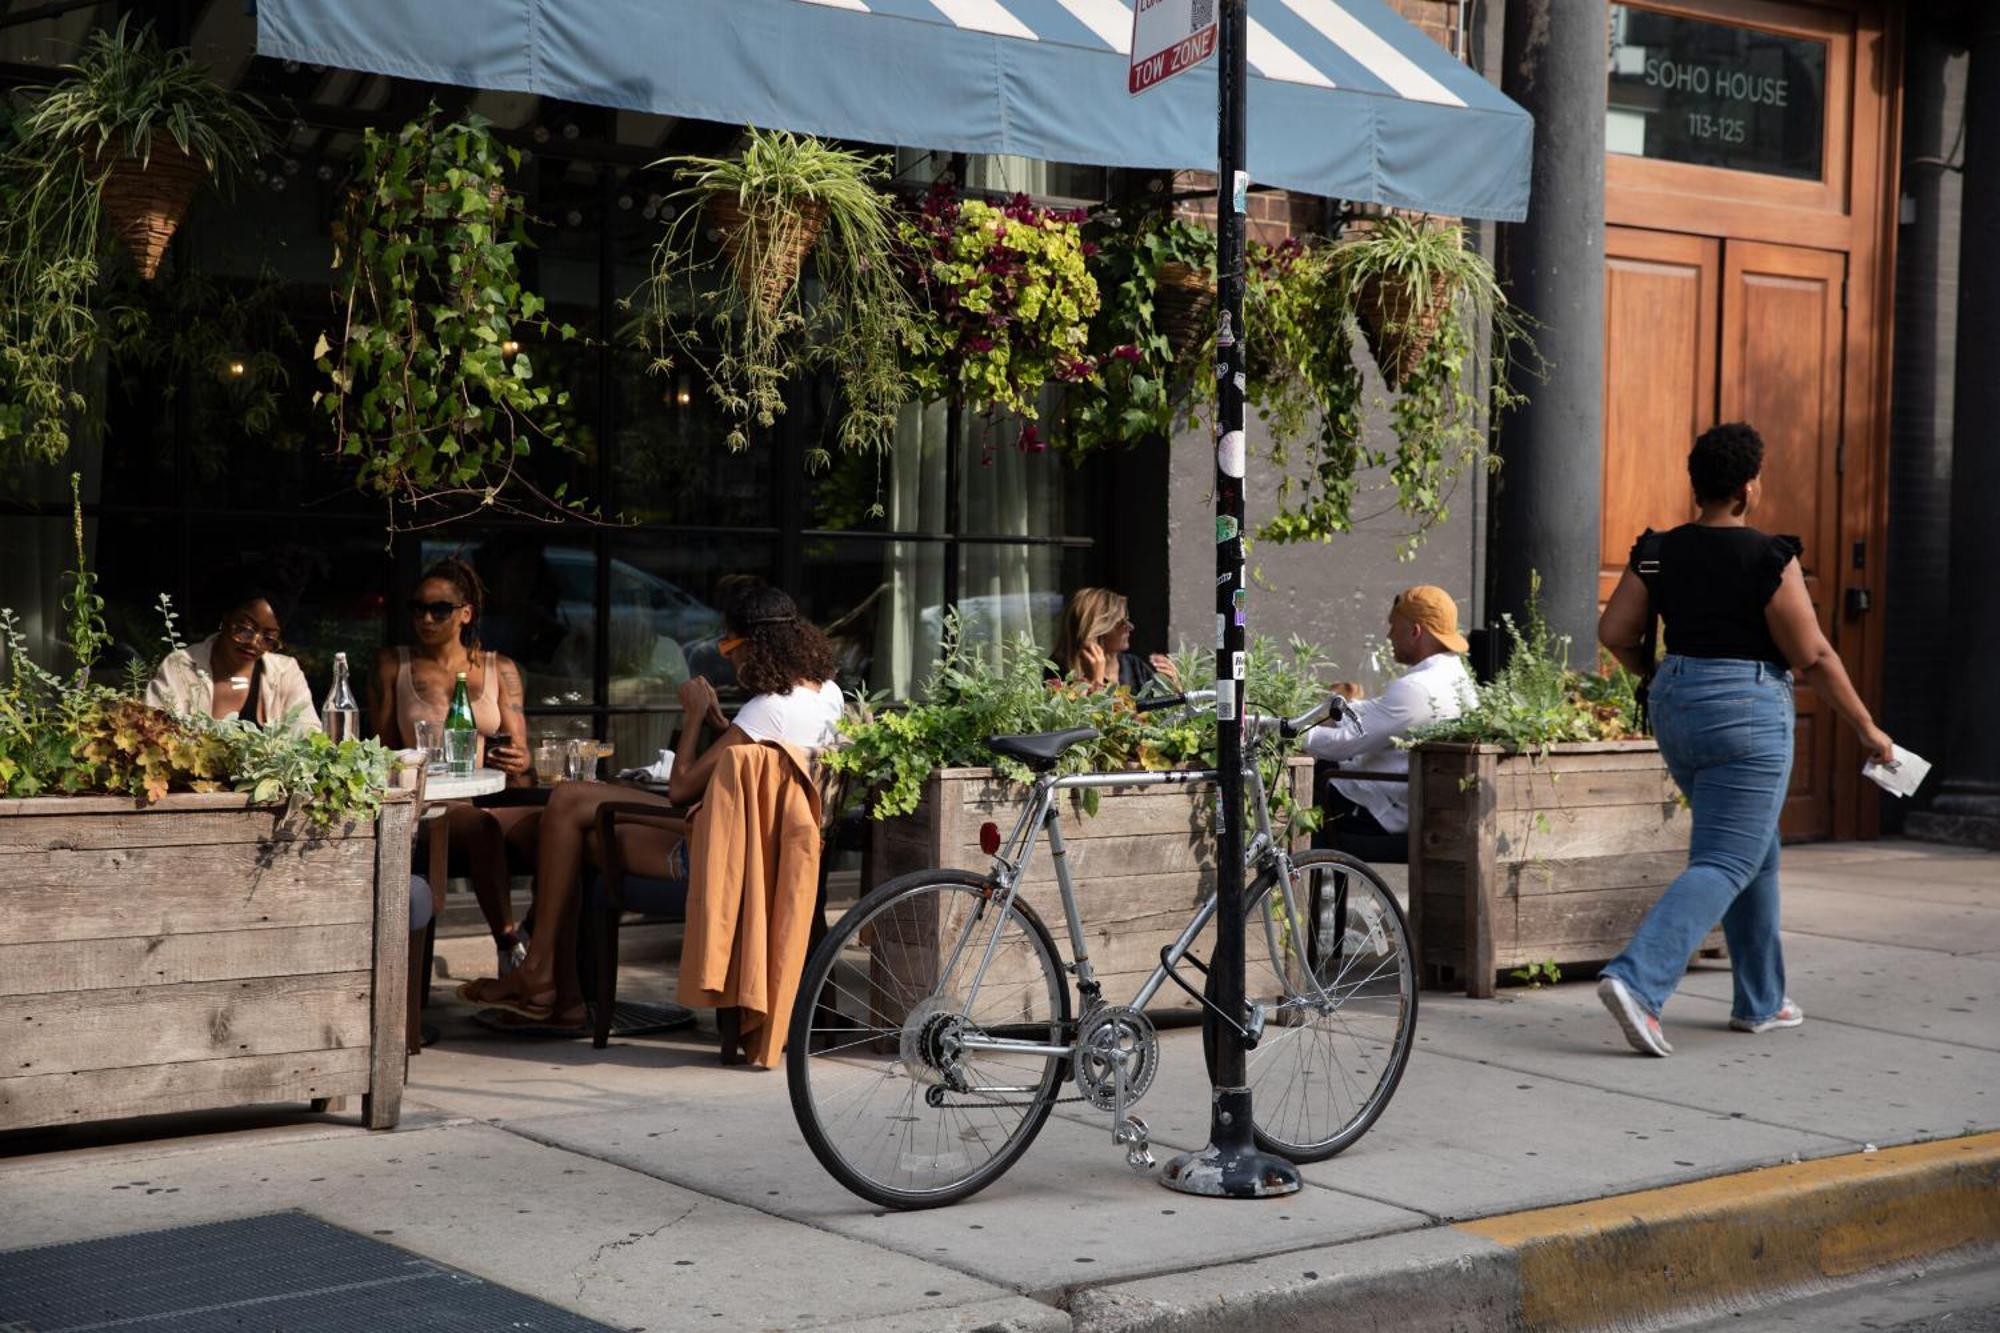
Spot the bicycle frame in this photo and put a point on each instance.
(1263, 854)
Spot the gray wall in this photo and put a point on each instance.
(1336, 593)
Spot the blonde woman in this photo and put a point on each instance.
(1094, 644)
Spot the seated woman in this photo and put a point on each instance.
(416, 683)
(788, 664)
(1094, 645)
(238, 671)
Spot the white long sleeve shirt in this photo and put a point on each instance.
(1433, 690)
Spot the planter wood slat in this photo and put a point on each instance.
(1522, 859)
(198, 952)
(1140, 866)
(61, 1099)
(165, 960)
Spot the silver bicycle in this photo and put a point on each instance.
(935, 1028)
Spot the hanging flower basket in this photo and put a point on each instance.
(145, 200)
(1398, 332)
(770, 246)
(1184, 307)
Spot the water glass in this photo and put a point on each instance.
(580, 760)
(427, 740)
(551, 761)
(461, 751)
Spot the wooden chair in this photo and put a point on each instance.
(616, 891)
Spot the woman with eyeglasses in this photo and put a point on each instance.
(238, 671)
(788, 664)
(1094, 644)
(415, 684)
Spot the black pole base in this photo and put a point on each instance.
(1232, 1167)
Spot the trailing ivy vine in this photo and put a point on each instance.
(430, 388)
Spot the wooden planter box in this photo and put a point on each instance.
(1517, 859)
(1140, 866)
(198, 953)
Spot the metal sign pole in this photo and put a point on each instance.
(1231, 1166)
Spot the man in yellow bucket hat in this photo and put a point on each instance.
(1423, 634)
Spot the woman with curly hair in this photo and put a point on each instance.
(776, 653)
(1739, 625)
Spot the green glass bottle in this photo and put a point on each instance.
(461, 733)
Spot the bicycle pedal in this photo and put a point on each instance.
(1133, 1133)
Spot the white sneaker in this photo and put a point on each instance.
(1641, 1028)
(1789, 1015)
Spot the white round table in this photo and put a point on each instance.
(448, 787)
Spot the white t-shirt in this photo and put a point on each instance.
(801, 716)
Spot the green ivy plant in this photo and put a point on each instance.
(1011, 297)
(1140, 393)
(1308, 385)
(752, 319)
(430, 388)
(124, 95)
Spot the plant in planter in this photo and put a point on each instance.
(429, 387)
(74, 734)
(1011, 297)
(780, 202)
(127, 137)
(1422, 301)
(1156, 277)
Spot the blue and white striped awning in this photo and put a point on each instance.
(1346, 99)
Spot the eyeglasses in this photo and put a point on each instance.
(247, 634)
(433, 610)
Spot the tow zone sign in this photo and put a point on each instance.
(1169, 37)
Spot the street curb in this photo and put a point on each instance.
(1627, 1261)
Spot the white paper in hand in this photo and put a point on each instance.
(1901, 777)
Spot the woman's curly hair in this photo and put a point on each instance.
(781, 648)
(1724, 460)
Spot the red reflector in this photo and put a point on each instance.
(989, 839)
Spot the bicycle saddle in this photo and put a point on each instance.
(1041, 749)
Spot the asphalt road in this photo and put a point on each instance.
(1954, 1300)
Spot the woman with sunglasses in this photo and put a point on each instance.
(1094, 644)
(238, 671)
(788, 664)
(415, 684)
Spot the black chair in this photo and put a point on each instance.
(1376, 848)
(612, 891)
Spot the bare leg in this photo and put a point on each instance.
(480, 834)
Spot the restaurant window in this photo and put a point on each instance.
(1716, 94)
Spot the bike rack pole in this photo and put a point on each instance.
(1230, 1166)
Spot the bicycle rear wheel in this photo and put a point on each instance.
(887, 1096)
(1339, 990)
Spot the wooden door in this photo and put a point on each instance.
(1783, 357)
(1662, 292)
(1700, 330)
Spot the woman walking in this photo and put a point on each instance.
(1737, 615)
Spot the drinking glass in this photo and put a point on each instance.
(551, 761)
(580, 760)
(427, 740)
(461, 751)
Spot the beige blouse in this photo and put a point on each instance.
(185, 684)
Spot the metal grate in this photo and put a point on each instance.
(281, 1271)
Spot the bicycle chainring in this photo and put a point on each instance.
(1102, 1036)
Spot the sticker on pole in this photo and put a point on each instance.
(1169, 37)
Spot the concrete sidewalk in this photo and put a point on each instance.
(648, 1187)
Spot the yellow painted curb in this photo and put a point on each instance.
(1799, 1226)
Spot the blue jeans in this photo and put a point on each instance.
(1725, 729)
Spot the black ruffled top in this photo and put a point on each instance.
(1712, 587)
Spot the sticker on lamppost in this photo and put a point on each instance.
(1169, 37)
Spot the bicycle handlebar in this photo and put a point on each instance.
(1331, 706)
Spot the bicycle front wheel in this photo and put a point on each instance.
(889, 1084)
(1336, 974)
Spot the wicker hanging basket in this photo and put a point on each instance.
(1184, 308)
(145, 200)
(1398, 333)
(783, 254)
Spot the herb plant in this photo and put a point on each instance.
(429, 387)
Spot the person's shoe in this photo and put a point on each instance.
(513, 951)
(1789, 1015)
(1641, 1028)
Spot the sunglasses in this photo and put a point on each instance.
(728, 644)
(247, 634)
(433, 610)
